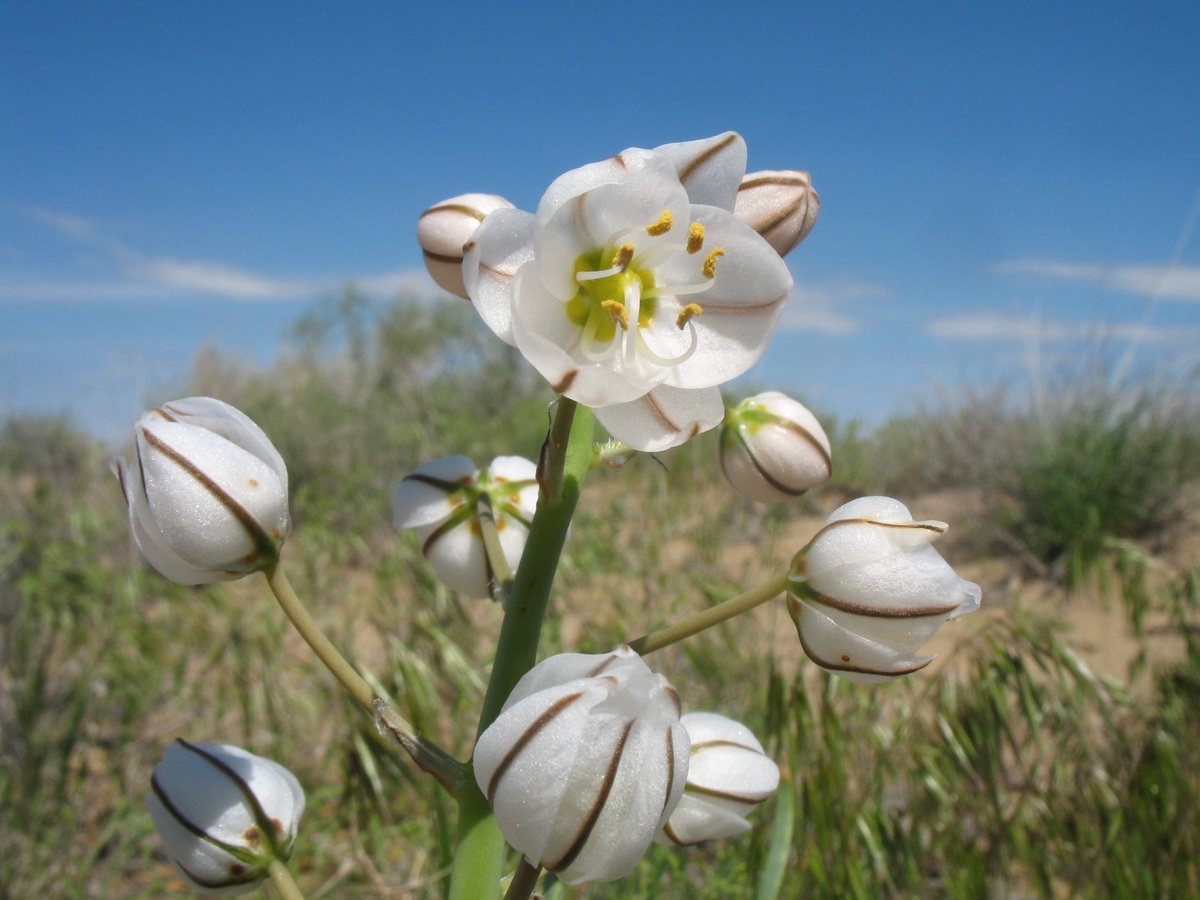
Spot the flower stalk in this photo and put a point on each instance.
(714, 615)
(285, 885)
(448, 771)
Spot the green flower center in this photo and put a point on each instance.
(601, 301)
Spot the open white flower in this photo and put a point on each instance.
(441, 501)
(224, 814)
(635, 286)
(585, 763)
(869, 591)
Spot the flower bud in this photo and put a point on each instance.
(207, 492)
(781, 206)
(585, 763)
(445, 227)
(773, 449)
(441, 501)
(869, 591)
(224, 814)
(728, 774)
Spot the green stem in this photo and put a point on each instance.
(564, 464)
(427, 755)
(285, 886)
(500, 576)
(524, 880)
(712, 616)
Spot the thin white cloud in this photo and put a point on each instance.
(142, 276)
(1000, 327)
(1170, 282)
(822, 307)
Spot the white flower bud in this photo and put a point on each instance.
(207, 492)
(224, 815)
(585, 763)
(869, 591)
(781, 206)
(441, 501)
(728, 774)
(773, 449)
(445, 227)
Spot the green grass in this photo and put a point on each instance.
(1011, 772)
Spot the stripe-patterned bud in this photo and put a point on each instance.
(207, 492)
(781, 206)
(585, 763)
(445, 227)
(224, 815)
(728, 775)
(869, 591)
(773, 449)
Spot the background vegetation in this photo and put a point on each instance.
(1011, 769)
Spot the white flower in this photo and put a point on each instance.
(773, 449)
(585, 763)
(869, 591)
(445, 227)
(224, 815)
(441, 501)
(207, 492)
(728, 775)
(634, 289)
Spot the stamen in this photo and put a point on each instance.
(619, 313)
(662, 226)
(622, 257)
(695, 237)
(644, 351)
(686, 314)
(710, 263)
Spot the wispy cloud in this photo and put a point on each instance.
(1171, 282)
(134, 275)
(822, 307)
(1000, 327)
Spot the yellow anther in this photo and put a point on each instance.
(710, 263)
(695, 237)
(623, 257)
(619, 313)
(685, 314)
(662, 226)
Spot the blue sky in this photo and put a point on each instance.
(998, 182)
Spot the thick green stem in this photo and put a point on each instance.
(282, 879)
(564, 464)
(424, 753)
(710, 617)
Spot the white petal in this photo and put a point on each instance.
(710, 169)
(743, 774)
(705, 727)
(458, 557)
(740, 309)
(499, 247)
(857, 658)
(699, 818)
(663, 418)
(199, 863)
(232, 424)
(416, 502)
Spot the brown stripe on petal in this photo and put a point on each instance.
(798, 179)
(530, 733)
(495, 272)
(564, 384)
(619, 159)
(743, 308)
(455, 207)
(875, 612)
(606, 786)
(261, 539)
(442, 257)
(670, 770)
(604, 664)
(697, 161)
(938, 528)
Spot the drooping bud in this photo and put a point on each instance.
(441, 501)
(728, 775)
(445, 227)
(869, 591)
(224, 814)
(585, 763)
(773, 449)
(207, 492)
(781, 206)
